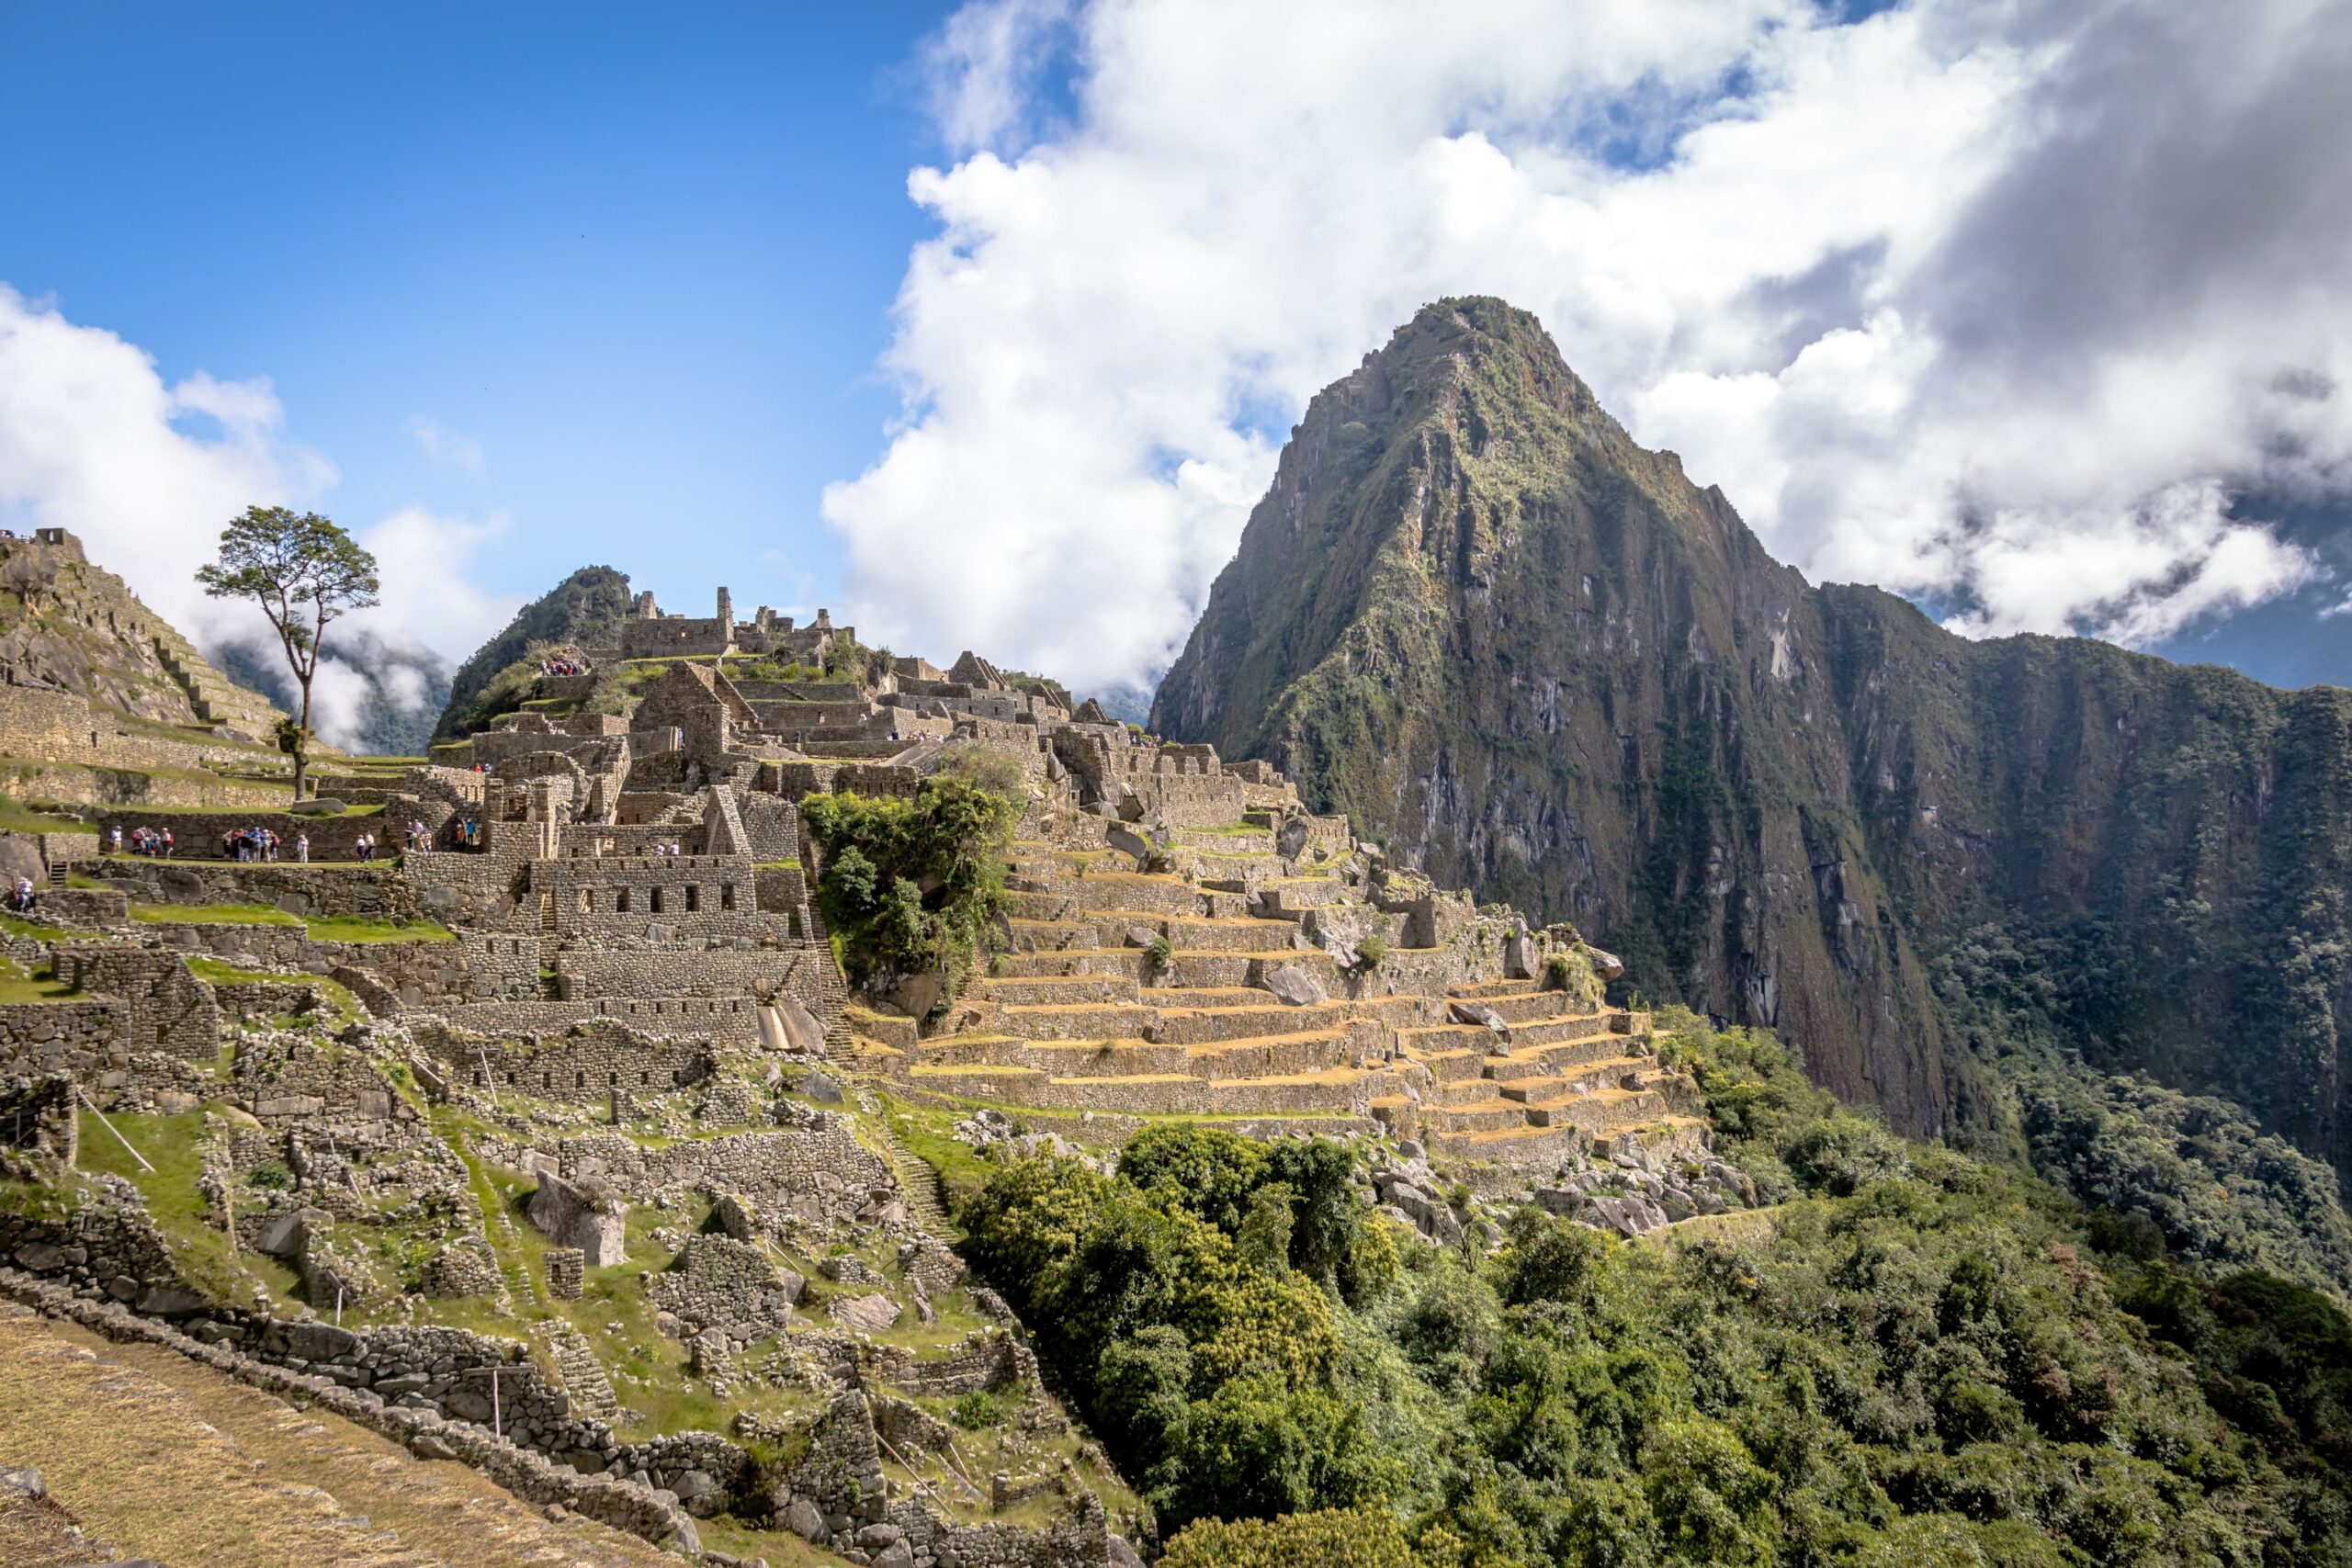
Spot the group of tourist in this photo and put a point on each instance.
(364, 847)
(143, 841)
(20, 896)
(562, 667)
(258, 844)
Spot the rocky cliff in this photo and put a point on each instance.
(67, 624)
(1541, 661)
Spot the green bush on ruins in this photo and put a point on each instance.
(913, 886)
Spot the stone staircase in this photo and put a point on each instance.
(584, 1383)
(920, 1183)
(1084, 1014)
(212, 696)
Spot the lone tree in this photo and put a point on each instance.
(303, 572)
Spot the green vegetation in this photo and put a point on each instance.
(1372, 950)
(212, 915)
(912, 885)
(976, 1410)
(585, 609)
(357, 928)
(18, 816)
(1926, 1358)
(20, 985)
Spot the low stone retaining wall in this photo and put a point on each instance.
(369, 892)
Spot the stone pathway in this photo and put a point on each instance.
(171, 1461)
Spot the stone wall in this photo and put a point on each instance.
(811, 1175)
(84, 1038)
(581, 1069)
(317, 892)
(164, 1008)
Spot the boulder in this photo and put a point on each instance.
(734, 1216)
(873, 1312)
(821, 1088)
(431, 1444)
(801, 1030)
(320, 806)
(1608, 966)
(1294, 986)
(1478, 1014)
(1126, 840)
(803, 1519)
(1141, 936)
(569, 1215)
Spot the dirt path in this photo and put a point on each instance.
(170, 1460)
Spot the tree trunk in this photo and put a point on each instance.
(302, 743)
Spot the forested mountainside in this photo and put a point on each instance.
(586, 607)
(1538, 660)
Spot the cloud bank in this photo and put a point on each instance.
(2004, 304)
(147, 473)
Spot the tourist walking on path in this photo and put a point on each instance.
(302, 848)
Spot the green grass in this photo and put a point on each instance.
(777, 865)
(354, 928)
(17, 816)
(216, 972)
(175, 1146)
(20, 985)
(211, 915)
(15, 926)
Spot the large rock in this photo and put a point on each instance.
(873, 1312)
(734, 1216)
(1608, 966)
(1480, 1014)
(801, 1030)
(570, 1216)
(803, 1519)
(1294, 986)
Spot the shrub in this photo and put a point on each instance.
(1157, 953)
(912, 884)
(1558, 970)
(1371, 950)
(976, 1410)
(271, 1175)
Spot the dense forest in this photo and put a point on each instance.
(1909, 1355)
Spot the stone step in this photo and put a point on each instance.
(1254, 840)
(1285, 898)
(1544, 1089)
(1041, 963)
(1056, 991)
(1243, 935)
(1077, 1021)
(1051, 935)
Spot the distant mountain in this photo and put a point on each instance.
(585, 608)
(404, 689)
(1535, 658)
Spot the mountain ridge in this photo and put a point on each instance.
(1541, 661)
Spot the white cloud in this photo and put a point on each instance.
(1999, 300)
(92, 439)
(147, 473)
(448, 448)
(429, 602)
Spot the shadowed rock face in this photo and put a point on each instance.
(1534, 658)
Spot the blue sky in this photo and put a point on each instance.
(643, 256)
(983, 326)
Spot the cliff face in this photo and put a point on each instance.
(1537, 658)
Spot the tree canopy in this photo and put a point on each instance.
(304, 572)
